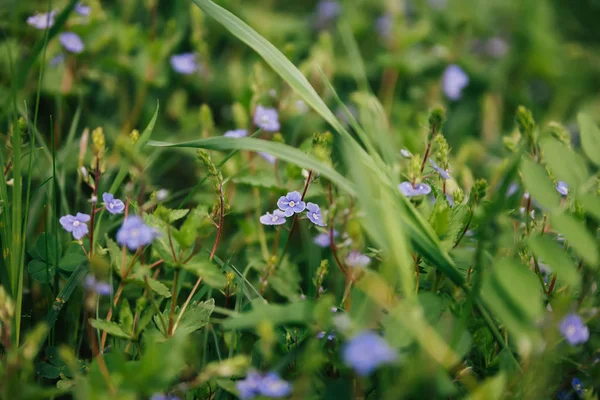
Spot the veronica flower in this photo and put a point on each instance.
(82, 9)
(277, 218)
(42, 21)
(357, 259)
(562, 188)
(77, 224)
(366, 352)
(236, 133)
(113, 206)
(248, 388)
(314, 214)
(134, 233)
(574, 330)
(408, 190)
(322, 334)
(443, 173)
(184, 63)
(160, 396)
(273, 386)
(71, 42)
(384, 26)
(450, 200)
(577, 386)
(323, 240)
(270, 158)
(327, 11)
(454, 81)
(291, 203)
(266, 119)
(98, 287)
(405, 153)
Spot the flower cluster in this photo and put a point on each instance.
(268, 385)
(70, 41)
(289, 205)
(134, 233)
(96, 286)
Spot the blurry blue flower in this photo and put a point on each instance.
(277, 218)
(322, 239)
(562, 188)
(322, 334)
(75, 224)
(450, 200)
(42, 21)
(134, 233)
(314, 214)
(184, 63)
(454, 81)
(71, 42)
(270, 158)
(162, 194)
(408, 190)
(367, 351)
(357, 259)
(512, 189)
(327, 11)
(577, 385)
(564, 396)
(248, 388)
(160, 396)
(237, 133)
(443, 173)
(384, 26)
(57, 59)
(113, 206)
(82, 9)
(98, 287)
(574, 330)
(273, 386)
(291, 203)
(405, 153)
(266, 119)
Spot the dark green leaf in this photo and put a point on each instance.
(70, 261)
(40, 271)
(209, 272)
(126, 317)
(46, 247)
(276, 314)
(110, 327)
(47, 371)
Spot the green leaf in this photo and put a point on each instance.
(286, 281)
(110, 327)
(458, 223)
(126, 318)
(591, 204)
(47, 371)
(211, 274)
(440, 216)
(46, 247)
(162, 244)
(65, 294)
(70, 261)
(276, 314)
(159, 288)
(40, 271)
(538, 184)
(188, 232)
(116, 256)
(490, 389)
(564, 163)
(579, 237)
(266, 181)
(195, 317)
(145, 136)
(590, 137)
(548, 250)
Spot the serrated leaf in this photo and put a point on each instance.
(195, 317)
(189, 230)
(549, 251)
(276, 314)
(126, 317)
(578, 236)
(590, 137)
(40, 271)
(110, 327)
(440, 217)
(162, 244)
(458, 223)
(116, 256)
(539, 185)
(564, 163)
(209, 272)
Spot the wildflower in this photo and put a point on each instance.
(408, 190)
(356, 259)
(443, 173)
(75, 224)
(314, 214)
(162, 194)
(270, 159)
(248, 388)
(134, 233)
(273, 386)
(266, 119)
(98, 287)
(184, 63)
(237, 133)
(574, 330)
(562, 188)
(454, 81)
(291, 203)
(450, 200)
(496, 47)
(94, 199)
(384, 26)
(405, 153)
(113, 206)
(367, 351)
(512, 189)
(160, 396)
(578, 386)
(322, 334)
(322, 239)
(277, 218)
(82, 9)
(42, 21)
(71, 42)
(328, 10)
(57, 59)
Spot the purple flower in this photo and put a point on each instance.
(160, 396)
(328, 10)
(577, 386)
(367, 351)
(277, 218)
(322, 334)
(322, 239)
(184, 63)
(99, 287)
(314, 214)
(75, 224)
(562, 188)
(384, 26)
(248, 388)
(134, 233)
(71, 42)
(266, 119)
(237, 133)
(450, 200)
(356, 259)
(42, 21)
(454, 81)
(408, 190)
(291, 203)
(273, 386)
(405, 153)
(443, 173)
(57, 59)
(113, 206)
(270, 158)
(574, 330)
(82, 9)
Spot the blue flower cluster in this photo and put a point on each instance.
(289, 205)
(70, 41)
(268, 385)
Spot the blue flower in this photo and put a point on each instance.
(384, 26)
(314, 214)
(357, 259)
(42, 21)
(450, 200)
(367, 351)
(266, 119)
(322, 334)
(248, 388)
(134, 233)
(273, 386)
(75, 224)
(99, 287)
(291, 203)
(82, 9)
(71, 42)
(574, 330)
(57, 59)
(270, 158)
(405, 153)
(578, 386)
(454, 81)
(496, 47)
(184, 63)
(237, 133)
(443, 173)
(322, 239)
(562, 188)
(327, 10)
(277, 218)
(113, 206)
(160, 396)
(408, 190)
(512, 189)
